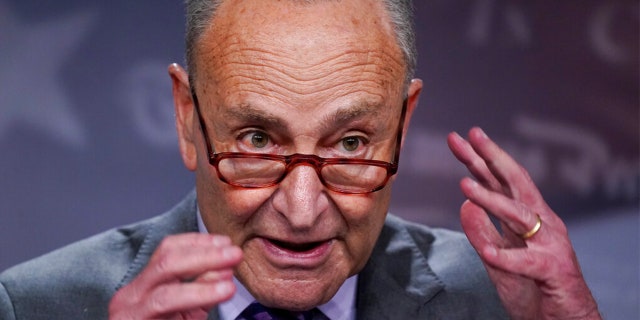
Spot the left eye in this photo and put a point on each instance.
(253, 140)
(351, 143)
(259, 139)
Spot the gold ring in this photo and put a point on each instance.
(533, 230)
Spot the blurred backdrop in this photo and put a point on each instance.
(87, 138)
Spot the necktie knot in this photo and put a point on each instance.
(257, 311)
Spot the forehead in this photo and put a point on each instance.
(290, 50)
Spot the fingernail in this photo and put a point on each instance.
(219, 241)
(490, 252)
(470, 182)
(224, 287)
(483, 134)
(230, 252)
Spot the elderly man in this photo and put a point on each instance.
(292, 117)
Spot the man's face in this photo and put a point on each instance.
(284, 77)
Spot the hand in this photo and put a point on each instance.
(537, 277)
(187, 275)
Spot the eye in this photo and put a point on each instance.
(350, 143)
(259, 139)
(255, 140)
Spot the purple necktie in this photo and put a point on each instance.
(256, 311)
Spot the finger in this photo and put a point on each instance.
(513, 289)
(513, 177)
(215, 276)
(463, 151)
(514, 214)
(514, 239)
(186, 256)
(175, 298)
(167, 285)
(194, 314)
(478, 227)
(483, 235)
(529, 263)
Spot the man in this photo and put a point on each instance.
(292, 118)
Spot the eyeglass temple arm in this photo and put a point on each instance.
(400, 133)
(203, 126)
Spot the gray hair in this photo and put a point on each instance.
(200, 13)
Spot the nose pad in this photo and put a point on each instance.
(301, 197)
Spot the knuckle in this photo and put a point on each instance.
(561, 228)
(478, 164)
(166, 244)
(522, 210)
(126, 295)
(545, 264)
(157, 302)
(525, 174)
(123, 304)
(163, 263)
(164, 256)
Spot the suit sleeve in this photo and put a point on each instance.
(6, 305)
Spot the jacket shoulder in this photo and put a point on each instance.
(81, 276)
(78, 280)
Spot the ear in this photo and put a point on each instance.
(185, 115)
(413, 95)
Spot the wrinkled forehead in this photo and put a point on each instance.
(300, 42)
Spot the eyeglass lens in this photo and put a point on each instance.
(254, 172)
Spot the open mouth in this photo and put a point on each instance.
(297, 247)
(287, 254)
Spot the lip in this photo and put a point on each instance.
(311, 255)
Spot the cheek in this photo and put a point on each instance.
(363, 209)
(364, 216)
(225, 209)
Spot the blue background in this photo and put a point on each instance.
(87, 137)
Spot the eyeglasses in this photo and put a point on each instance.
(261, 170)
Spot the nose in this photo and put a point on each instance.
(300, 198)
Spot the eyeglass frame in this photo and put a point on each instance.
(291, 161)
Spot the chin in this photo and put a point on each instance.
(300, 296)
(294, 292)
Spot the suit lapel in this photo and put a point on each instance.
(397, 282)
(180, 219)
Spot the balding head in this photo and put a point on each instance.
(400, 14)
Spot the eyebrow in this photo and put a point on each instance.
(249, 113)
(351, 113)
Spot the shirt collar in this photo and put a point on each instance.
(341, 307)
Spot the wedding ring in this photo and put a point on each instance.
(533, 230)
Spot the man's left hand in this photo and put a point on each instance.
(532, 262)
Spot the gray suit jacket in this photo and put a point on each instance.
(414, 273)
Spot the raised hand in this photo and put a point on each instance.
(187, 275)
(531, 262)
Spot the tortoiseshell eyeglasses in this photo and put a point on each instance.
(262, 170)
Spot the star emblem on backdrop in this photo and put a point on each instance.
(31, 90)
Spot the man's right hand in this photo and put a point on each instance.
(187, 275)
